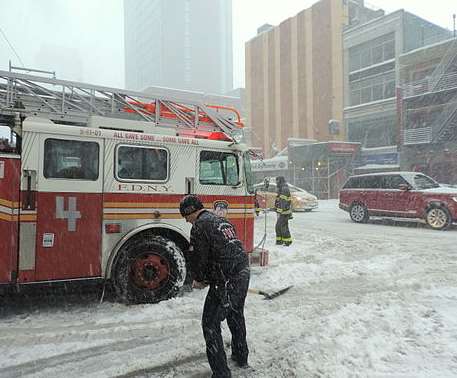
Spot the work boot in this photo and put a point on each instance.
(279, 242)
(239, 363)
(286, 244)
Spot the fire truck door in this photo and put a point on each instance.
(9, 203)
(69, 208)
(219, 183)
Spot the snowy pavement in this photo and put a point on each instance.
(373, 300)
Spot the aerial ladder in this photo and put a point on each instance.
(74, 103)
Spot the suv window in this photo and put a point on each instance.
(364, 182)
(424, 182)
(352, 183)
(370, 182)
(393, 181)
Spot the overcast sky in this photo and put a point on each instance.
(83, 39)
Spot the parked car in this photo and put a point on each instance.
(301, 199)
(399, 195)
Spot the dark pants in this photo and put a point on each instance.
(214, 313)
(282, 229)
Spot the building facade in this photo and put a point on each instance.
(294, 75)
(183, 44)
(372, 74)
(428, 111)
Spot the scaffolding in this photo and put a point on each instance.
(323, 168)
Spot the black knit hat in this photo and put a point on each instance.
(190, 204)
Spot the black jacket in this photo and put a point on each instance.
(216, 253)
(283, 200)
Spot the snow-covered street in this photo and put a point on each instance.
(374, 300)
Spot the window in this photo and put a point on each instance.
(355, 97)
(371, 182)
(142, 163)
(389, 50)
(248, 173)
(219, 168)
(366, 58)
(354, 61)
(389, 89)
(366, 95)
(377, 92)
(71, 159)
(422, 182)
(373, 88)
(372, 52)
(353, 183)
(7, 140)
(377, 54)
(393, 182)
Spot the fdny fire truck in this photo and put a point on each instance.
(91, 179)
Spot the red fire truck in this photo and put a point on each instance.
(91, 179)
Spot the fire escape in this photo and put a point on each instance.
(442, 82)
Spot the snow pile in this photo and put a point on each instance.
(368, 300)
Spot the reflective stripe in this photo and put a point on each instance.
(285, 212)
(284, 197)
(287, 240)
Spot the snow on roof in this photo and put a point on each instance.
(404, 173)
(379, 166)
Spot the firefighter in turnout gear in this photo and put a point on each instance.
(218, 259)
(283, 206)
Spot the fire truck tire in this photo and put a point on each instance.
(149, 269)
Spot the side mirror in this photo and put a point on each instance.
(404, 187)
(266, 184)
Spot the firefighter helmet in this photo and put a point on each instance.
(190, 204)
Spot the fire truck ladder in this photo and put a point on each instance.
(73, 103)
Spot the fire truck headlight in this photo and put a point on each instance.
(455, 199)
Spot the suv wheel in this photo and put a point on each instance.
(359, 213)
(438, 218)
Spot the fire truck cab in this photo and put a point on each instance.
(99, 198)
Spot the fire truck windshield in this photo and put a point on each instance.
(248, 173)
(7, 143)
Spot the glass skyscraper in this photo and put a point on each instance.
(183, 44)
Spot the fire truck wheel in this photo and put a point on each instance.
(149, 269)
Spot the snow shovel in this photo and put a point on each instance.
(269, 296)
